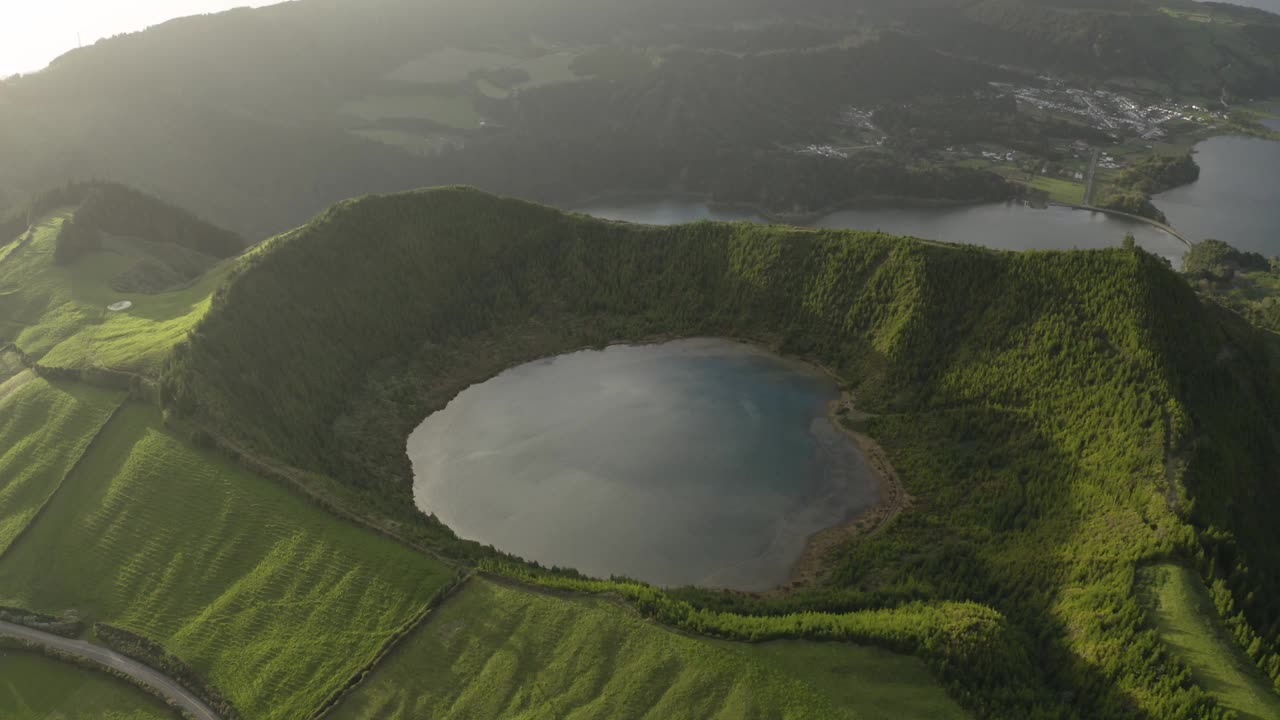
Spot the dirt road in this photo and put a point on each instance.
(148, 676)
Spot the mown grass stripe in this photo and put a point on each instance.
(296, 603)
(496, 649)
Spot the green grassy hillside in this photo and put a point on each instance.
(44, 428)
(1186, 619)
(274, 601)
(493, 651)
(57, 312)
(1061, 419)
(34, 687)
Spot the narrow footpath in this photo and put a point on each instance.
(141, 673)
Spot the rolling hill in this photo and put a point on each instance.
(319, 101)
(1064, 421)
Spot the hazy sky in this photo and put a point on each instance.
(33, 32)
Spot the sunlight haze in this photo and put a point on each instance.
(33, 34)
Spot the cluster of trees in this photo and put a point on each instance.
(970, 647)
(176, 246)
(1244, 282)
(255, 139)
(1132, 202)
(1217, 260)
(114, 209)
(1061, 419)
(1098, 41)
(982, 116)
(718, 125)
(65, 626)
(118, 210)
(1131, 191)
(1157, 173)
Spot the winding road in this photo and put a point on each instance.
(141, 673)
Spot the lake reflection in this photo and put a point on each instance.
(1236, 199)
(704, 462)
(1004, 226)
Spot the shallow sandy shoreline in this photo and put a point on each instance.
(812, 564)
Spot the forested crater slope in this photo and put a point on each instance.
(1061, 419)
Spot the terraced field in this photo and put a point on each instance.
(44, 427)
(34, 687)
(59, 312)
(496, 651)
(275, 601)
(1190, 626)
(455, 111)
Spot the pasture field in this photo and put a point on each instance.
(449, 65)
(497, 651)
(34, 687)
(1063, 191)
(58, 313)
(454, 65)
(416, 144)
(456, 111)
(44, 427)
(273, 600)
(1189, 625)
(548, 69)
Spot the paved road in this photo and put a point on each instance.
(102, 656)
(1089, 182)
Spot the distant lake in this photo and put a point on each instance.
(703, 461)
(1236, 199)
(1270, 5)
(1005, 226)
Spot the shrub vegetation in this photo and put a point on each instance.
(500, 651)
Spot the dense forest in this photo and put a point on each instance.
(980, 116)
(1131, 191)
(1063, 419)
(1090, 39)
(1245, 282)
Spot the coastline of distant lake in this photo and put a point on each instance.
(1235, 198)
(701, 461)
(1002, 226)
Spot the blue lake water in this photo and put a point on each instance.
(1005, 226)
(1236, 199)
(702, 461)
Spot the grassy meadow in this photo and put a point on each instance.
(58, 313)
(455, 65)
(496, 651)
(455, 111)
(416, 144)
(1063, 191)
(44, 428)
(1190, 627)
(34, 687)
(275, 601)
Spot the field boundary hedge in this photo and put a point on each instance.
(151, 653)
